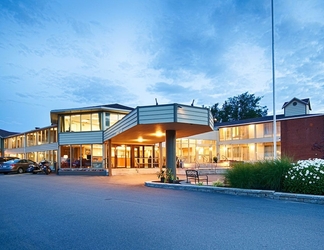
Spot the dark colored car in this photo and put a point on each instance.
(18, 166)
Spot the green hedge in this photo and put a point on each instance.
(265, 175)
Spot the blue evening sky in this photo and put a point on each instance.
(57, 54)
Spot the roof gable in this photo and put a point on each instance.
(305, 102)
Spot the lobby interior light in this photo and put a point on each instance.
(140, 139)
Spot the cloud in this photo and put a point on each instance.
(27, 12)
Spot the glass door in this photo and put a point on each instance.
(121, 156)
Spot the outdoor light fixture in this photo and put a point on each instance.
(159, 134)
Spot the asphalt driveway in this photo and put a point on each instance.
(119, 212)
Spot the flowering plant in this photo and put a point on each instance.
(305, 177)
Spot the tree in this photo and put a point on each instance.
(239, 107)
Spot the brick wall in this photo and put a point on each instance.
(298, 136)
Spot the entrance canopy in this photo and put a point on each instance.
(148, 124)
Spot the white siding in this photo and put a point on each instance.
(81, 138)
(193, 116)
(124, 124)
(299, 109)
(156, 114)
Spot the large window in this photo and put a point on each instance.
(81, 122)
(112, 118)
(81, 156)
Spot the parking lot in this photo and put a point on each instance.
(119, 212)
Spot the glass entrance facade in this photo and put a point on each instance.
(137, 156)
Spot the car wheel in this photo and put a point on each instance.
(20, 171)
(34, 172)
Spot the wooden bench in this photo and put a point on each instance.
(194, 174)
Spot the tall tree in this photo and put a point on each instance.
(239, 107)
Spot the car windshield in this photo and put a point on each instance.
(15, 161)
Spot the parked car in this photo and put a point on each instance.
(18, 166)
(7, 158)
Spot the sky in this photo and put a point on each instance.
(58, 54)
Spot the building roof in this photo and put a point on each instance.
(306, 102)
(148, 124)
(5, 133)
(263, 119)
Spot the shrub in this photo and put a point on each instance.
(218, 183)
(305, 177)
(267, 175)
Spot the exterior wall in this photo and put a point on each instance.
(248, 142)
(194, 116)
(126, 123)
(299, 135)
(81, 138)
(157, 114)
(298, 109)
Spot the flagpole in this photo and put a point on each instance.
(273, 91)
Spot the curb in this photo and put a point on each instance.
(270, 194)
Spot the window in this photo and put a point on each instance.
(31, 139)
(267, 128)
(42, 137)
(81, 122)
(268, 152)
(67, 124)
(235, 133)
(53, 135)
(112, 118)
(225, 134)
(96, 121)
(86, 122)
(75, 123)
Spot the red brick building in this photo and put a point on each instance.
(303, 137)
